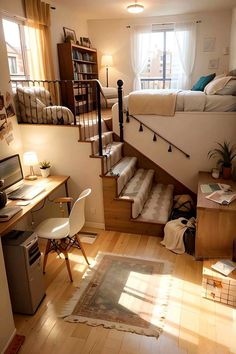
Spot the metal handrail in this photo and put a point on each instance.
(128, 116)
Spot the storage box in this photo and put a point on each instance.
(218, 287)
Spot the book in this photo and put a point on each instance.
(213, 187)
(224, 266)
(222, 197)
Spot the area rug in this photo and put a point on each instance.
(125, 293)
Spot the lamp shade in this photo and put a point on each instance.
(107, 60)
(30, 158)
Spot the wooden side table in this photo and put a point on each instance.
(216, 224)
(216, 286)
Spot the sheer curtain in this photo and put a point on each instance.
(140, 48)
(183, 54)
(38, 39)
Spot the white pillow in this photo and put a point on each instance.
(216, 85)
(229, 89)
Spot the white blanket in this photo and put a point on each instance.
(158, 102)
(173, 234)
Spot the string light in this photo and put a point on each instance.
(154, 137)
(170, 148)
(141, 128)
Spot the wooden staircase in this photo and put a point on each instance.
(137, 194)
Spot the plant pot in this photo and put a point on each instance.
(45, 172)
(226, 172)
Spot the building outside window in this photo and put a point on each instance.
(16, 49)
(157, 74)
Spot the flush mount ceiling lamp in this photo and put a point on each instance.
(135, 8)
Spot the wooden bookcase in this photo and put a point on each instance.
(77, 63)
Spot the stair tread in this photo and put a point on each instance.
(124, 169)
(158, 205)
(96, 137)
(137, 189)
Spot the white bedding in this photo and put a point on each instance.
(198, 101)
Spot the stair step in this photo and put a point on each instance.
(112, 154)
(107, 138)
(124, 169)
(88, 128)
(137, 189)
(158, 205)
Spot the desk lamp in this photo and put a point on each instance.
(30, 159)
(107, 61)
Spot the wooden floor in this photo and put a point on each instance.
(192, 325)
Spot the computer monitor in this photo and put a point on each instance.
(11, 171)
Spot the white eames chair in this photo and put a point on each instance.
(62, 233)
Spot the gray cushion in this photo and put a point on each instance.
(229, 89)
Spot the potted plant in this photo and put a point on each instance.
(225, 154)
(45, 168)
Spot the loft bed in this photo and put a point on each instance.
(210, 94)
(193, 117)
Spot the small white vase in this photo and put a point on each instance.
(45, 172)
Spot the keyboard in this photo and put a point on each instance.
(26, 192)
(7, 213)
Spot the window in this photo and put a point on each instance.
(15, 43)
(158, 73)
(12, 64)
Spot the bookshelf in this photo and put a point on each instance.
(77, 63)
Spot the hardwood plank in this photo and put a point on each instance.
(192, 324)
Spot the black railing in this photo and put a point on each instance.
(155, 83)
(61, 102)
(141, 124)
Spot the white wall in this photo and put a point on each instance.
(112, 37)
(65, 16)
(194, 132)
(69, 157)
(233, 41)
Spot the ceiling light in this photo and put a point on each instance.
(135, 8)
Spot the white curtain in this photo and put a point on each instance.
(140, 47)
(184, 54)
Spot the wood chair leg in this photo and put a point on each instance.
(82, 249)
(46, 255)
(68, 265)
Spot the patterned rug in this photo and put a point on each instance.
(125, 293)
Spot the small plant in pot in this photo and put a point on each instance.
(225, 154)
(45, 168)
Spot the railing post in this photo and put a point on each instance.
(120, 108)
(99, 118)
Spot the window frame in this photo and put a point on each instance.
(21, 24)
(164, 78)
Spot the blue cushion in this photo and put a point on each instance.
(202, 82)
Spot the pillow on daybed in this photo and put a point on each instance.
(229, 89)
(218, 86)
(202, 82)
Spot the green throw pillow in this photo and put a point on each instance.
(202, 82)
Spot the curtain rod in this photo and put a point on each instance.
(167, 23)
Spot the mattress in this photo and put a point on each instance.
(198, 101)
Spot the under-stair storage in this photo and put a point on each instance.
(137, 196)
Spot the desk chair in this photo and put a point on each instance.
(62, 233)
